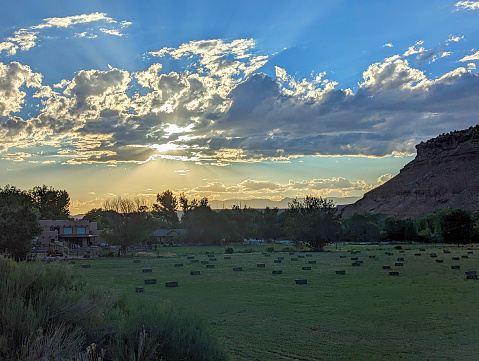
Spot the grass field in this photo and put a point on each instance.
(428, 312)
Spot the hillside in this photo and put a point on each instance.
(444, 174)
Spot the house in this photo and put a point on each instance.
(167, 235)
(74, 233)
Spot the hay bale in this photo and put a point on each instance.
(277, 261)
(372, 256)
(455, 267)
(195, 261)
(294, 258)
(417, 254)
(178, 264)
(195, 273)
(393, 273)
(227, 257)
(342, 256)
(85, 265)
(205, 262)
(261, 265)
(432, 255)
(470, 252)
(341, 272)
(139, 289)
(356, 263)
(400, 259)
(439, 261)
(267, 255)
(190, 257)
(146, 270)
(150, 281)
(309, 255)
(238, 269)
(465, 257)
(210, 266)
(277, 272)
(306, 268)
(455, 258)
(386, 267)
(471, 275)
(281, 258)
(300, 256)
(398, 264)
(171, 284)
(212, 259)
(312, 262)
(137, 261)
(301, 281)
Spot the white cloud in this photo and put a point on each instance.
(472, 57)
(468, 5)
(455, 39)
(26, 39)
(471, 66)
(388, 45)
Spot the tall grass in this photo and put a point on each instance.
(46, 313)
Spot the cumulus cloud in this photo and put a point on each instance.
(468, 5)
(221, 109)
(388, 45)
(472, 57)
(25, 39)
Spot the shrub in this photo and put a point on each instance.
(287, 249)
(48, 313)
(229, 250)
(398, 247)
(269, 249)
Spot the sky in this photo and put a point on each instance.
(228, 100)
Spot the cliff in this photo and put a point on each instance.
(444, 174)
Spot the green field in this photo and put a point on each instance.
(428, 312)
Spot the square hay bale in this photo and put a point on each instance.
(300, 256)
(471, 274)
(291, 253)
(398, 264)
(195, 273)
(393, 273)
(205, 262)
(400, 259)
(150, 281)
(267, 255)
(137, 261)
(465, 257)
(139, 289)
(277, 272)
(277, 261)
(341, 272)
(342, 256)
(213, 259)
(455, 258)
(301, 281)
(386, 267)
(171, 284)
(354, 258)
(211, 255)
(281, 258)
(312, 262)
(432, 255)
(85, 265)
(372, 256)
(455, 267)
(446, 251)
(306, 268)
(309, 255)
(190, 257)
(195, 261)
(422, 249)
(227, 257)
(178, 264)
(146, 270)
(294, 258)
(356, 263)
(210, 266)
(238, 269)
(470, 252)
(417, 254)
(439, 261)
(261, 265)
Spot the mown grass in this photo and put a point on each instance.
(428, 312)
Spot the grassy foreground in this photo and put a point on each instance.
(428, 312)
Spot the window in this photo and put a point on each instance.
(81, 230)
(67, 230)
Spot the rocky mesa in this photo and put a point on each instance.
(444, 174)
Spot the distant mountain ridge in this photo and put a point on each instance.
(444, 174)
(263, 203)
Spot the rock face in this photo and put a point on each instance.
(444, 174)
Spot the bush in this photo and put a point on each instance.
(229, 250)
(48, 313)
(287, 249)
(269, 249)
(398, 247)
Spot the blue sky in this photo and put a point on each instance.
(243, 100)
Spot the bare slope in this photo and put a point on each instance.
(444, 174)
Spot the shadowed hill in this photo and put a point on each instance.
(444, 174)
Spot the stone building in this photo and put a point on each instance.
(73, 233)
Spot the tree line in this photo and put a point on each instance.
(311, 222)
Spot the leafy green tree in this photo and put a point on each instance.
(312, 222)
(51, 203)
(270, 224)
(129, 222)
(400, 230)
(240, 223)
(18, 222)
(363, 227)
(166, 208)
(457, 226)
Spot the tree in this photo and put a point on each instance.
(240, 223)
(312, 222)
(129, 222)
(18, 222)
(457, 227)
(270, 225)
(166, 208)
(400, 230)
(51, 203)
(362, 227)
